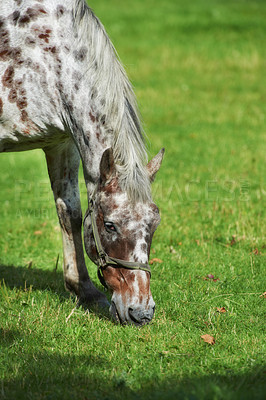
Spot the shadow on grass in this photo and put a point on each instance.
(44, 375)
(21, 277)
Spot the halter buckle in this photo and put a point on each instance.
(102, 260)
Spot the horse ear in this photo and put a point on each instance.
(107, 165)
(154, 165)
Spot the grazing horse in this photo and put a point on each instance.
(63, 90)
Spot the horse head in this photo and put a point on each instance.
(117, 234)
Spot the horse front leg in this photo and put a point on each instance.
(63, 165)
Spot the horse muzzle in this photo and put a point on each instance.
(132, 315)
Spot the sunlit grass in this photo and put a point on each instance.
(198, 69)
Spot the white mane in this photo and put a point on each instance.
(109, 78)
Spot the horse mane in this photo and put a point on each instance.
(108, 76)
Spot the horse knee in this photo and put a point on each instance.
(70, 219)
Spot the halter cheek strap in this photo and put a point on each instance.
(103, 260)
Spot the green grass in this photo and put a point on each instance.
(198, 69)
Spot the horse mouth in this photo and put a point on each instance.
(131, 321)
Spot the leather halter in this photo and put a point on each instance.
(103, 259)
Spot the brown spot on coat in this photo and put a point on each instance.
(80, 54)
(51, 49)
(92, 117)
(22, 103)
(8, 76)
(31, 14)
(12, 97)
(15, 17)
(17, 83)
(16, 55)
(6, 51)
(1, 106)
(46, 35)
(30, 41)
(4, 43)
(22, 91)
(24, 19)
(60, 10)
(24, 115)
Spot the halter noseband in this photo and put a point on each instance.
(103, 260)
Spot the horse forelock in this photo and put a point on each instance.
(120, 110)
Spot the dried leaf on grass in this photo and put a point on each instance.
(210, 277)
(155, 260)
(263, 295)
(256, 252)
(38, 233)
(233, 241)
(221, 309)
(208, 339)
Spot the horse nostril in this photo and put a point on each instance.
(133, 315)
(140, 317)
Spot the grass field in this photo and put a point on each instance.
(198, 69)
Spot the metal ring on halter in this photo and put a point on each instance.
(103, 260)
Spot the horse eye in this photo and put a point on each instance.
(110, 227)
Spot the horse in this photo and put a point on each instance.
(64, 90)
